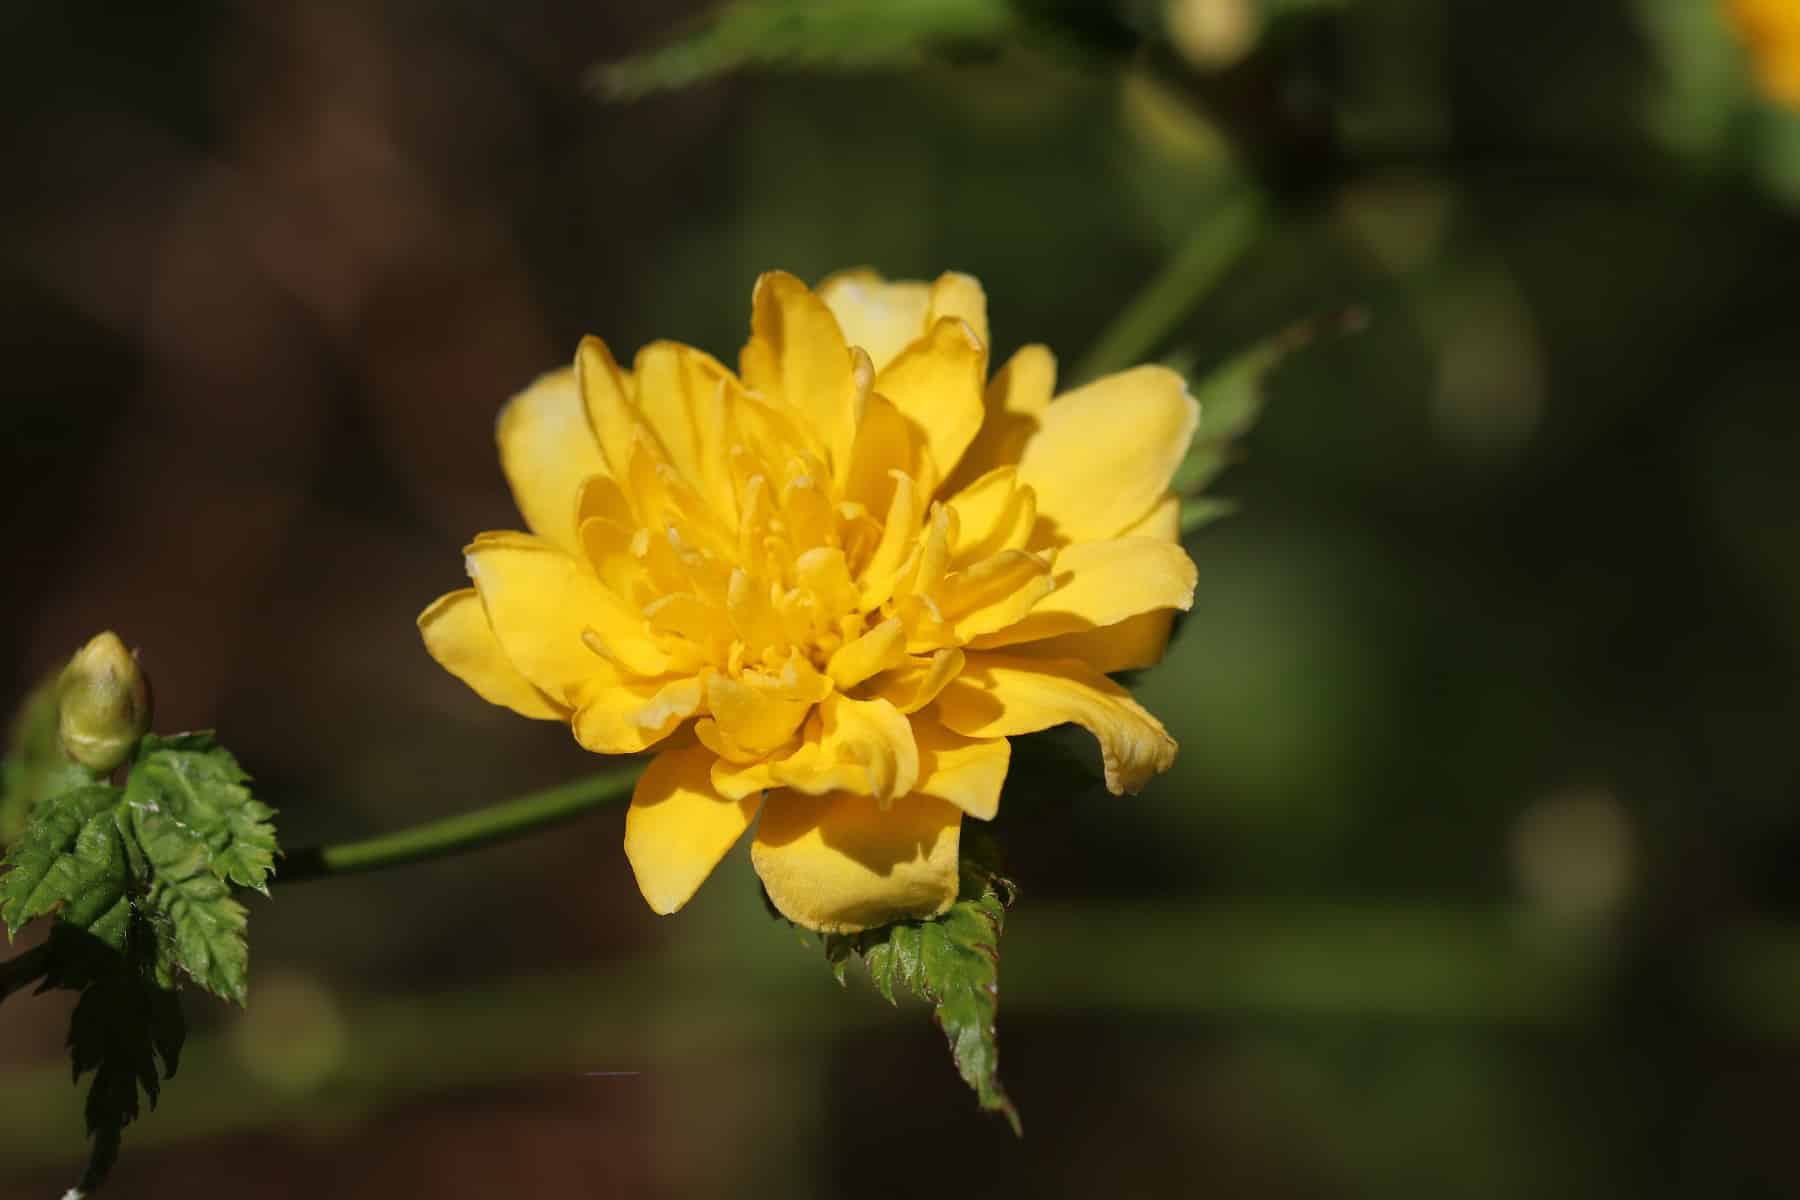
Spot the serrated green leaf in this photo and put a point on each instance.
(837, 34)
(35, 768)
(199, 928)
(125, 1029)
(953, 962)
(199, 785)
(71, 859)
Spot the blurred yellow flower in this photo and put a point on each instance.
(1770, 30)
(829, 586)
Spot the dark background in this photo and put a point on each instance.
(1475, 877)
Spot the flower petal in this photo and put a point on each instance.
(1102, 583)
(1135, 642)
(994, 514)
(841, 863)
(937, 384)
(554, 618)
(875, 651)
(861, 746)
(547, 451)
(996, 593)
(1104, 453)
(883, 318)
(606, 394)
(954, 294)
(457, 634)
(968, 772)
(757, 712)
(915, 683)
(678, 828)
(1015, 400)
(1004, 695)
(682, 396)
(629, 716)
(798, 357)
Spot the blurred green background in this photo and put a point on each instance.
(1477, 874)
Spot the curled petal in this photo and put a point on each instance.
(629, 716)
(678, 828)
(458, 636)
(1001, 695)
(915, 683)
(840, 863)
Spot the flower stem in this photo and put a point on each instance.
(468, 831)
(1202, 260)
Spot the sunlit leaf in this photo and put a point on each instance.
(71, 860)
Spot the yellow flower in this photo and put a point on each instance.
(829, 586)
(1770, 30)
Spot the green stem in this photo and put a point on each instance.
(468, 831)
(1199, 264)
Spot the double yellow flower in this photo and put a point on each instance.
(829, 586)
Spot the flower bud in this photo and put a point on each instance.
(105, 704)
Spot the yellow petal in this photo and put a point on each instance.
(682, 396)
(1162, 522)
(797, 356)
(1135, 642)
(888, 446)
(954, 294)
(861, 746)
(1015, 399)
(937, 384)
(882, 572)
(883, 318)
(1001, 592)
(1102, 583)
(458, 636)
(915, 683)
(606, 394)
(841, 863)
(877, 650)
(758, 711)
(678, 828)
(1005, 695)
(543, 604)
(968, 772)
(994, 513)
(1104, 453)
(626, 717)
(547, 451)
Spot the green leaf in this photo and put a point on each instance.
(199, 928)
(200, 831)
(838, 34)
(35, 767)
(125, 1029)
(953, 963)
(199, 785)
(71, 860)
(1231, 400)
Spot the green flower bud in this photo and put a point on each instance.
(105, 704)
